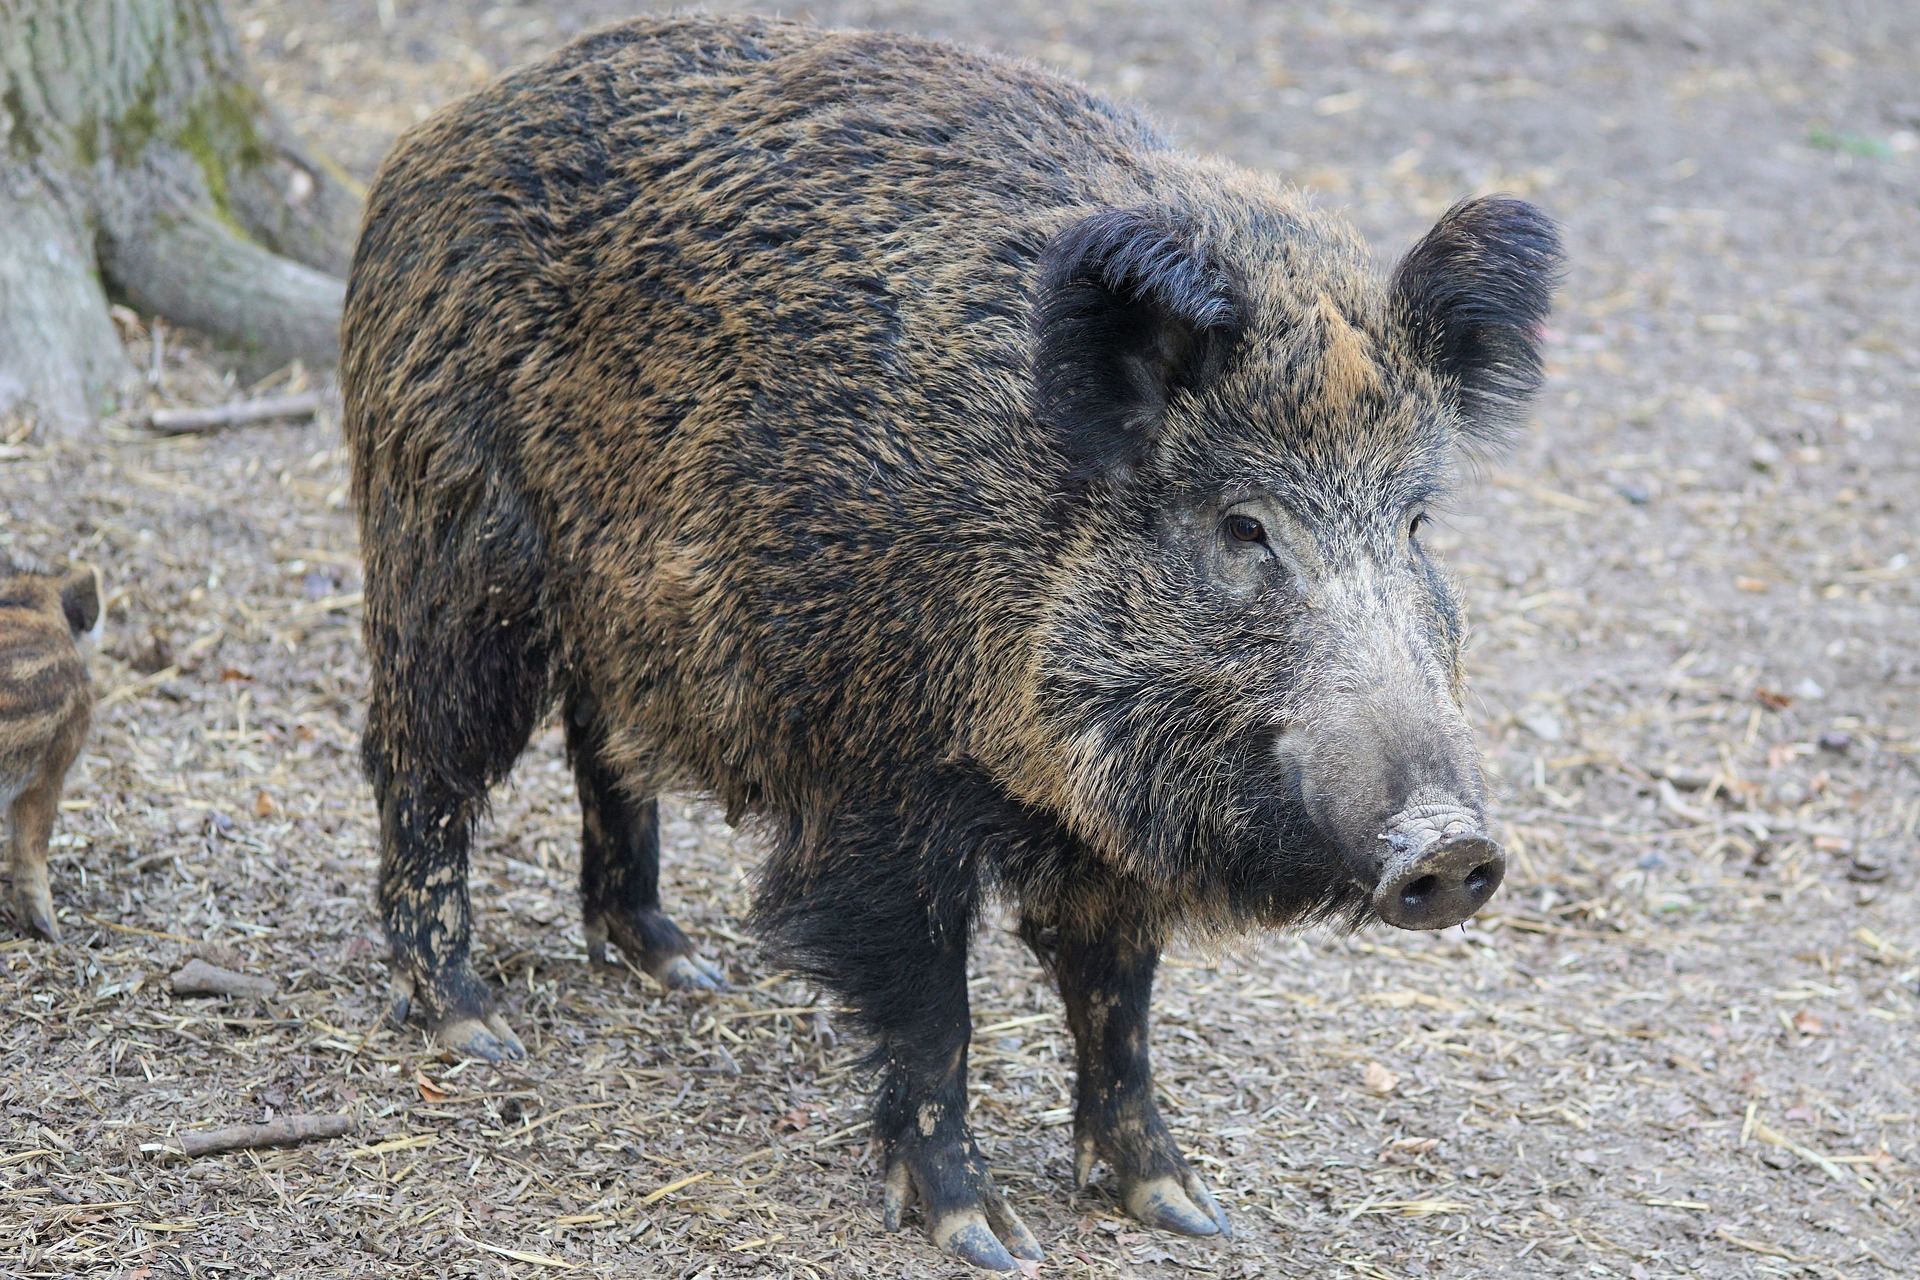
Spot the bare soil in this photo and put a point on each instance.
(1682, 1042)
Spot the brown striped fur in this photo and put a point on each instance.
(46, 700)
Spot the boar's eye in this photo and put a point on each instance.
(1243, 528)
(1413, 525)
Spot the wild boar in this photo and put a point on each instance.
(921, 456)
(46, 701)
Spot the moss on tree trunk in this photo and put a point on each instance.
(138, 158)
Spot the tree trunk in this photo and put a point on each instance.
(137, 157)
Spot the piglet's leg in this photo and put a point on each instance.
(1106, 981)
(32, 825)
(921, 1118)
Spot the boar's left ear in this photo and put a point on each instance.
(1128, 311)
(1474, 294)
(80, 600)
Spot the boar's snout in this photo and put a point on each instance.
(1440, 869)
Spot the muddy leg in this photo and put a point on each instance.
(1106, 982)
(423, 902)
(620, 874)
(453, 700)
(32, 824)
(920, 1118)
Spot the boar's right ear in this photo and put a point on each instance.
(1474, 294)
(80, 600)
(1128, 311)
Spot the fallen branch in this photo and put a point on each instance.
(199, 978)
(180, 422)
(286, 1131)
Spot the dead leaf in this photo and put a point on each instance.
(1378, 1079)
(1773, 699)
(429, 1091)
(262, 805)
(1755, 585)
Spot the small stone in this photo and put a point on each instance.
(1650, 862)
(198, 978)
(1809, 690)
(1765, 455)
(1867, 868)
(1837, 742)
(1543, 725)
(1637, 494)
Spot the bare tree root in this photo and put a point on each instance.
(192, 268)
(138, 158)
(58, 348)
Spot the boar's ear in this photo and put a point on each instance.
(1474, 294)
(1127, 312)
(80, 600)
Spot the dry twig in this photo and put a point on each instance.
(285, 1131)
(180, 422)
(199, 978)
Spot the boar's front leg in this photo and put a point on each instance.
(920, 1116)
(32, 824)
(887, 928)
(1106, 982)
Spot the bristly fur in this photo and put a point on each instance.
(842, 426)
(46, 702)
(1474, 293)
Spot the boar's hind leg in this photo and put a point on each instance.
(1106, 982)
(455, 693)
(620, 872)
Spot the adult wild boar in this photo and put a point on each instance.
(922, 457)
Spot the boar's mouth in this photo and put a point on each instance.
(1441, 867)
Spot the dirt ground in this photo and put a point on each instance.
(1682, 1041)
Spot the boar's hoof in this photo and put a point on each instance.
(488, 1038)
(468, 1032)
(656, 944)
(33, 906)
(689, 973)
(982, 1231)
(1181, 1204)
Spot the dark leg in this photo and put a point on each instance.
(883, 916)
(620, 874)
(425, 832)
(920, 1118)
(455, 693)
(1106, 981)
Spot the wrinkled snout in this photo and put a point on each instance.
(1440, 868)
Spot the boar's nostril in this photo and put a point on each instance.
(1419, 891)
(1440, 885)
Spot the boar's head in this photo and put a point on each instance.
(1247, 690)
